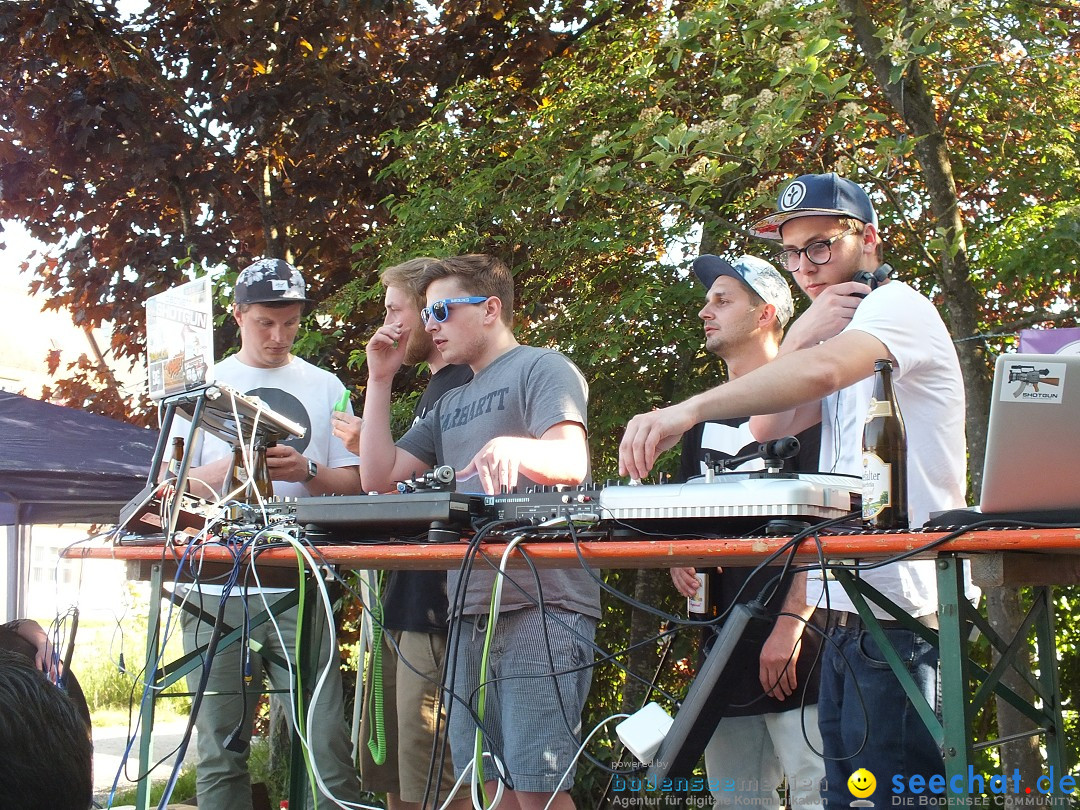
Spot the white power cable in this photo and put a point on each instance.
(331, 638)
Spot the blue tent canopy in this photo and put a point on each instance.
(62, 465)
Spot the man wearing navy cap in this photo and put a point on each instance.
(760, 739)
(823, 374)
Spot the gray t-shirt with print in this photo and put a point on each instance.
(523, 392)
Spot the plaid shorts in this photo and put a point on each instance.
(532, 718)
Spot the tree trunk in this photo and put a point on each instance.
(1005, 614)
(650, 586)
(909, 97)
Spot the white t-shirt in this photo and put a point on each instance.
(302, 392)
(930, 392)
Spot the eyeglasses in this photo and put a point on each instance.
(816, 252)
(440, 310)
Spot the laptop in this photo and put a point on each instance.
(1032, 466)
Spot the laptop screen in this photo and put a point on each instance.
(1033, 439)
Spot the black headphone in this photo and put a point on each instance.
(873, 279)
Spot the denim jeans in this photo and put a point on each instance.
(866, 719)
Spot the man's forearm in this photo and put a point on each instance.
(795, 600)
(780, 653)
(799, 378)
(559, 461)
(335, 481)
(377, 450)
(207, 480)
(788, 423)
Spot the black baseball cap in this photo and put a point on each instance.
(817, 195)
(270, 280)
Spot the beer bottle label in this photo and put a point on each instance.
(876, 487)
(878, 407)
(699, 602)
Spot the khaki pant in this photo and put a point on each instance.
(411, 705)
(222, 780)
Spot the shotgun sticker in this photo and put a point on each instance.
(1044, 382)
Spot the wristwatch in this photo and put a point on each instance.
(312, 470)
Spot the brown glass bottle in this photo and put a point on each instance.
(260, 477)
(177, 456)
(884, 456)
(237, 479)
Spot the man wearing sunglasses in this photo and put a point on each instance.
(824, 374)
(520, 421)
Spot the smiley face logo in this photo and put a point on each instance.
(861, 783)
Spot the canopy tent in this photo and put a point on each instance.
(62, 465)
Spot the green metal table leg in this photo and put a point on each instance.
(954, 670)
(1050, 688)
(150, 672)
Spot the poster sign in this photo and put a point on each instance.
(179, 338)
(1050, 341)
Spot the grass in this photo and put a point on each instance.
(108, 661)
(182, 791)
(109, 665)
(258, 767)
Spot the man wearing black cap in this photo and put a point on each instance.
(824, 374)
(761, 737)
(269, 300)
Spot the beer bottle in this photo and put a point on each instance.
(260, 476)
(884, 457)
(699, 603)
(177, 456)
(236, 482)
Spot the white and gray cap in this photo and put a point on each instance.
(268, 280)
(757, 274)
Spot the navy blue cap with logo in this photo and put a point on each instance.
(817, 195)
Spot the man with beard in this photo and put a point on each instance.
(823, 374)
(769, 729)
(414, 605)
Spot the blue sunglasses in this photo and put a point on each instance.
(440, 310)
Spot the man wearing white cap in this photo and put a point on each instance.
(760, 739)
(824, 374)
